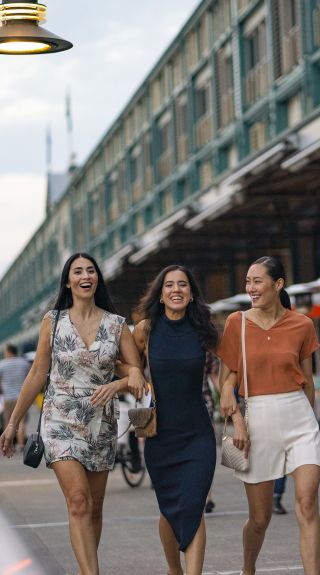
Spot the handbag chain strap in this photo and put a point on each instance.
(49, 371)
(245, 375)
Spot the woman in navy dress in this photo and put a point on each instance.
(176, 330)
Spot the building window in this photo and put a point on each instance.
(155, 95)
(147, 162)
(182, 127)
(204, 40)
(224, 70)
(316, 24)
(177, 75)
(148, 216)
(138, 224)
(96, 212)
(79, 227)
(192, 50)
(257, 136)
(227, 157)
(242, 5)
(255, 57)
(165, 202)
(136, 174)
(123, 196)
(286, 19)
(205, 171)
(165, 146)
(113, 198)
(182, 190)
(221, 18)
(203, 108)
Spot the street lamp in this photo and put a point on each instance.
(20, 32)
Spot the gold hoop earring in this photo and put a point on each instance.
(161, 300)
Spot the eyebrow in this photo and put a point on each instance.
(81, 268)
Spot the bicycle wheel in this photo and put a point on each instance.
(132, 477)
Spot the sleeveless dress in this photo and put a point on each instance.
(71, 428)
(181, 458)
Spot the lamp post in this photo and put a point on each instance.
(20, 30)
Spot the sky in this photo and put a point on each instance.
(115, 46)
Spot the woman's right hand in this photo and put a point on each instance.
(240, 435)
(228, 402)
(7, 439)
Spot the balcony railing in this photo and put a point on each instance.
(204, 130)
(256, 82)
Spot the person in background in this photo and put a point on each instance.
(279, 488)
(80, 410)
(13, 371)
(284, 435)
(175, 332)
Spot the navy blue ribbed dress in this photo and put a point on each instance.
(181, 458)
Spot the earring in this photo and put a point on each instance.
(161, 300)
(191, 299)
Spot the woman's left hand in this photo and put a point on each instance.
(104, 393)
(136, 383)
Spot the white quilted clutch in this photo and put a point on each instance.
(231, 456)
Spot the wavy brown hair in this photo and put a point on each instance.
(198, 311)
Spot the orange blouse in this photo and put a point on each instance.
(273, 356)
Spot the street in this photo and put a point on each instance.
(32, 504)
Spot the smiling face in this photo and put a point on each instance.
(83, 278)
(262, 289)
(176, 293)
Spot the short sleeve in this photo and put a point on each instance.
(310, 341)
(229, 347)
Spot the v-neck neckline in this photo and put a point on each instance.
(79, 335)
(273, 325)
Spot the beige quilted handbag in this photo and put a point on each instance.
(231, 456)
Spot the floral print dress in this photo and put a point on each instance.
(71, 427)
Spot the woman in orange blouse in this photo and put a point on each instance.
(284, 434)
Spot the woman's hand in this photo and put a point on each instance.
(228, 402)
(136, 383)
(240, 435)
(6, 440)
(104, 393)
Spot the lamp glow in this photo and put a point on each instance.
(20, 32)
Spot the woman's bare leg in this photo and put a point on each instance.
(170, 547)
(306, 481)
(195, 551)
(260, 498)
(74, 483)
(97, 483)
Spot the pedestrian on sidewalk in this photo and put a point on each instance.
(79, 421)
(175, 332)
(283, 431)
(13, 371)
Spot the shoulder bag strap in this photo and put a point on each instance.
(244, 361)
(153, 397)
(48, 374)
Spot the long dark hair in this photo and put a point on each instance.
(198, 311)
(275, 270)
(101, 297)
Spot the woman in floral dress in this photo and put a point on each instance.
(79, 423)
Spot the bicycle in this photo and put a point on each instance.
(131, 462)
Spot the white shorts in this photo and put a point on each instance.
(284, 435)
